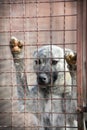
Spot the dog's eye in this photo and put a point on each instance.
(54, 62)
(38, 62)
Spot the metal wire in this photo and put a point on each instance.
(23, 29)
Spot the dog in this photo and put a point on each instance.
(51, 102)
(54, 79)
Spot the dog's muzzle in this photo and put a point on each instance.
(46, 78)
(43, 79)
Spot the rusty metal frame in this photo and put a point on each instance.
(80, 49)
(86, 55)
(79, 64)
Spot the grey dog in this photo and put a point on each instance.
(52, 100)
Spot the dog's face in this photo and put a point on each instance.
(49, 65)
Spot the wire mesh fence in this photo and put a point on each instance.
(38, 23)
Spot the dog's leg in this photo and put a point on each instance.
(31, 121)
(18, 57)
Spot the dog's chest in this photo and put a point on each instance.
(52, 107)
(53, 104)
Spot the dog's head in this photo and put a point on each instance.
(50, 66)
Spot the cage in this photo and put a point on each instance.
(40, 23)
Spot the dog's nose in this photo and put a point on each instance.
(42, 79)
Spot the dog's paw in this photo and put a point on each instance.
(71, 59)
(15, 45)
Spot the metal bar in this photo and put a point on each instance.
(30, 2)
(65, 114)
(16, 17)
(42, 44)
(79, 64)
(86, 52)
(11, 72)
(37, 31)
(23, 3)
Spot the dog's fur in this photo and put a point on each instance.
(52, 100)
(55, 85)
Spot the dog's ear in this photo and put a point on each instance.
(71, 59)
